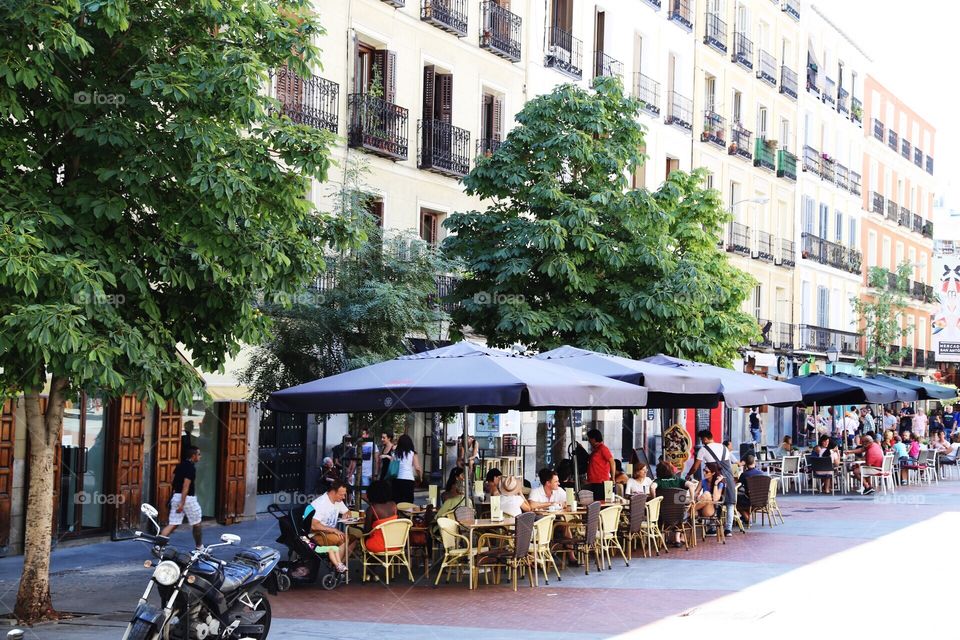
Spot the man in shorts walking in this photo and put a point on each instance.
(184, 500)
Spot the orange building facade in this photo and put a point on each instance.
(897, 225)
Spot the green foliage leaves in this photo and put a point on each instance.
(880, 317)
(151, 191)
(567, 253)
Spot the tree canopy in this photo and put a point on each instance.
(567, 253)
(880, 317)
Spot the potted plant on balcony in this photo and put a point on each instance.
(857, 112)
(732, 149)
(771, 144)
(487, 36)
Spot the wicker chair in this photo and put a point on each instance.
(583, 545)
(653, 539)
(396, 539)
(514, 556)
(637, 516)
(585, 497)
(421, 538)
(758, 492)
(608, 538)
(675, 513)
(465, 515)
(540, 548)
(456, 549)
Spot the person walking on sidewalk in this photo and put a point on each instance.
(756, 430)
(184, 500)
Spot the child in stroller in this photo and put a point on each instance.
(304, 557)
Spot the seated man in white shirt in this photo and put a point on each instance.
(550, 493)
(326, 510)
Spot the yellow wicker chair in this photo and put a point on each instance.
(540, 548)
(652, 538)
(456, 549)
(396, 538)
(607, 537)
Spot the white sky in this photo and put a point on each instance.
(915, 48)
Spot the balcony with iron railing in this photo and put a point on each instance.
(830, 253)
(931, 359)
(877, 201)
(918, 157)
(377, 126)
(917, 225)
(788, 254)
(680, 13)
(738, 239)
(827, 167)
(486, 147)
(767, 67)
(742, 50)
(854, 183)
(788, 81)
(829, 91)
(878, 129)
(714, 129)
(893, 140)
(500, 31)
(444, 148)
(766, 334)
(783, 335)
(564, 53)
(919, 358)
(821, 339)
(928, 229)
(715, 32)
(905, 148)
(764, 154)
(647, 90)
(764, 246)
(740, 142)
(841, 177)
(791, 8)
(811, 159)
(898, 355)
(929, 165)
(604, 65)
(397, 4)
(893, 211)
(448, 15)
(905, 218)
(311, 101)
(842, 98)
(679, 110)
(786, 165)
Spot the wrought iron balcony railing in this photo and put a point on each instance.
(856, 110)
(766, 334)
(905, 218)
(740, 141)
(647, 90)
(878, 129)
(929, 165)
(312, 101)
(829, 91)
(842, 96)
(604, 65)
(680, 13)
(714, 129)
(917, 225)
(854, 183)
(763, 154)
(565, 53)
(878, 203)
(738, 239)
(767, 68)
(448, 15)
(783, 335)
(919, 358)
(486, 147)
(892, 140)
(742, 50)
(827, 167)
(813, 79)
(500, 31)
(841, 177)
(786, 165)
(396, 3)
(830, 253)
(892, 211)
(764, 247)
(377, 126)
(788, 255)
(811, 159)
(918, 157)
(905, 148)
(928, 229)
(679, 110)
(791, 8)
(715, 34)
(444, 148)
(788, 81)
(820, 339)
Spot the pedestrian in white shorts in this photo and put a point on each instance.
(184, 500)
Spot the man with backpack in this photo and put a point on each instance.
(711, 451)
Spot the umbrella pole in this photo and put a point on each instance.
(573, 445)
(468, 482)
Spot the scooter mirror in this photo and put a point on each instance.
(230, 538)
(148, 510)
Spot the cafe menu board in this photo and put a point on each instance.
(703, 419)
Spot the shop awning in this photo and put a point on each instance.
(223, 386)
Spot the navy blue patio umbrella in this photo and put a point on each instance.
(925, 390)
(820, 389)
(903, 394)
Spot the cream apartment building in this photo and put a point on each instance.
(830, 266)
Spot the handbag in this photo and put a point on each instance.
(393, 469)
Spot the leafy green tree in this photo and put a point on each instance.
(150, 192)
(880, 316)
(567, 253)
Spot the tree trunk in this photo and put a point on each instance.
(33, 598)
(561, 426)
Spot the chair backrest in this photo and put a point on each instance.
(449, 533)
(790, 465)
(930, 457)
(887, 464)
(523, 533)
(585, 497)
(673, 509)
(758, 490)
(638, 511)
(772, 491)
(818, 464)
(466, 515)
(593, 521)
(543, 530)
(395, 533)
(610, 518)
(653, 510)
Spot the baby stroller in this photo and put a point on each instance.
(304, 558)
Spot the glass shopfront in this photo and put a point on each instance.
(82, 478)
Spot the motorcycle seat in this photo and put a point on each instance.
(234, 575)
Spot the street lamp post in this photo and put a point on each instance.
(833, 354)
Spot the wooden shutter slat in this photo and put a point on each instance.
(497, 118)
(446, 97)
(429, 80)
(390, 77)
(166, 456)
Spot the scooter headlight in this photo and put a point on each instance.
(166, 573)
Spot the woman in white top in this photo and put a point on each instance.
(409, 470)
(640, 482)
(512, 502)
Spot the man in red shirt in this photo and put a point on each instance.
(872, 457)
(601, 466)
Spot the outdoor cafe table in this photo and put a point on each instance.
(482, 524)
